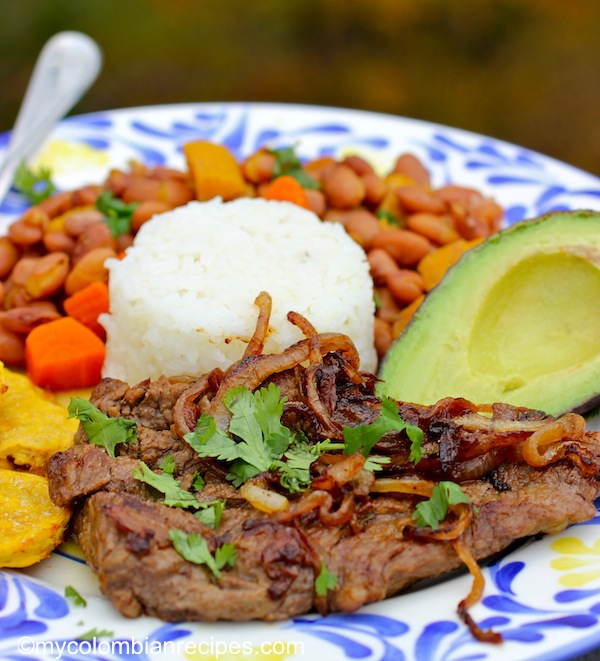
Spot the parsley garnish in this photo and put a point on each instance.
(432, 512)
(193, 548)
(72, 593)
(288, 163)
(35, 186)
(117, 214)
(100, 429)
(325, 581)
(364, 437)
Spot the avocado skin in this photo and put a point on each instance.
(451, 348)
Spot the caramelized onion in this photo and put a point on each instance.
(185, 411)
(474, 596)
(263, 499)
(449, 530)
(409, 486)
(544, 446)
(339, 473)
(257, 342)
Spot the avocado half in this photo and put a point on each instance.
(515, 320)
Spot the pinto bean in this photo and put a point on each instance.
(343, 187)
(95, 235)
(375, 188)
(258, 167)
(58, 241)
(145, 211)
(57, 204)
(86, 196)
(316, 201)
(141, 189)
(9, 254)
(22, 270)
(405, 246)
(359, 165)
(22, 320)
(381, 264)
(175, 192)
(47, 275)
(405, 285)
(468, 225)
(437, 228)
(383, 337)
(413, 200)
(79, 220)
(88, 269)
(453, 193)
(362, 226)
(12, 347)
(388, 308)
(412, 168)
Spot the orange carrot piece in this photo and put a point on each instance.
(214, 170)
(87, 304)
(287, 189)
(64, 355)
(406, 314)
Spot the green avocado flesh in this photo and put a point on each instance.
(516, 320)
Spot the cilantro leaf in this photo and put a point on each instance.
(288, 163)
(72, 593)
(193, 548)
(167, 465)
(430, 513)
(325, 581)
(211, 514)
(95, 633)
(35, 186)
(256, 421)
(364, 437)
(388, 217)
(117, 214)
(100, 429)
(175, 496)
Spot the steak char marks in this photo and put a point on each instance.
(524, 473)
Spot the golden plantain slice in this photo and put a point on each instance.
(31, 525)
(32, 427)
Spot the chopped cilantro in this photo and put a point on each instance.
(388, 217)
(193, 548)
(167, 465)
(288, 163)
(175, 496)
(432, 512)
(100, 429)
(364, 437)
(72, 593)
(325, 581)
(35, 186)
(117, 214)
(211, 514)
(95, 633)
(256, 421)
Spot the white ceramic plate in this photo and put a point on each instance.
(543, 597)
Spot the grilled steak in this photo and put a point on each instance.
(521, 473)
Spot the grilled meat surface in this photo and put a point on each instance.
(375, 552)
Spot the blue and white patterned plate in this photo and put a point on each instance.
(543, 597)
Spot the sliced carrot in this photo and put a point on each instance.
(87, 304)
(64, 355)
(215, 171)
(287, 189)
(406, 314)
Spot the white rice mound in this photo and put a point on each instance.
(182, 298)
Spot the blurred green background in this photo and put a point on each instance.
(526, 71)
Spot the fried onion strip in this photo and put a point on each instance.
(474, 596)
